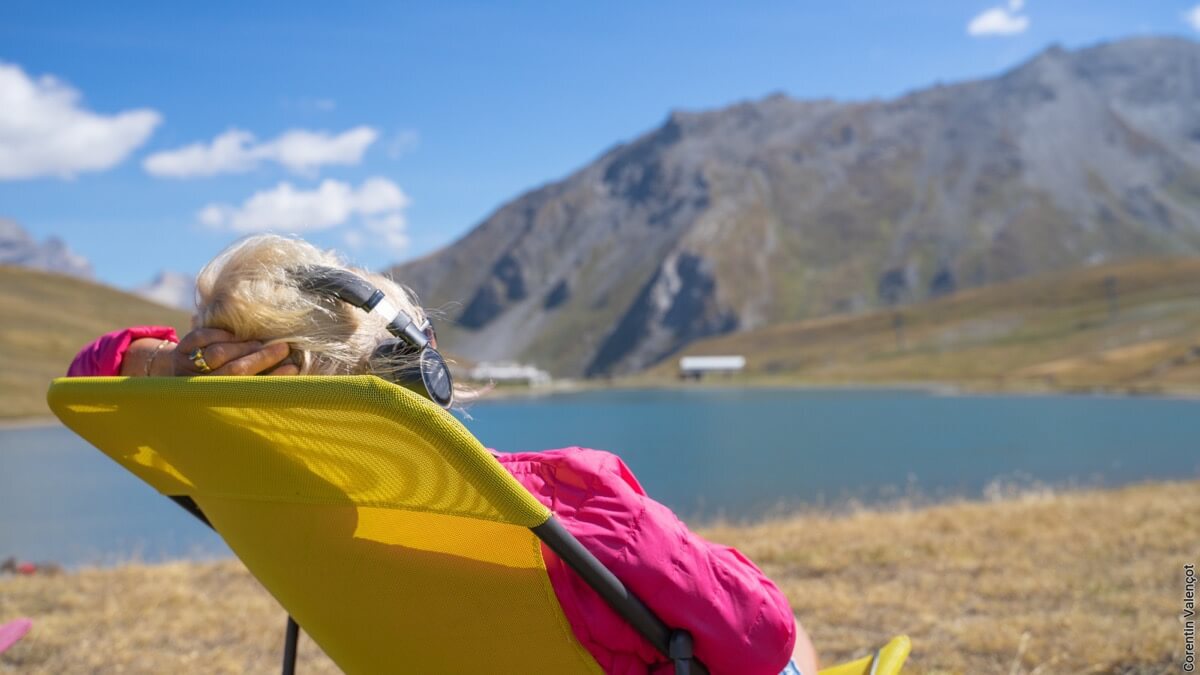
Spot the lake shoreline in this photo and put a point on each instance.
(34, 422)
(569, 387)
(573, 387)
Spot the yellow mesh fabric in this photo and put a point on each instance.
(391, 591)
(328, 440)
(889, 660)
(398, 543)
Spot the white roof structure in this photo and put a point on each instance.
(508, 371)
(712, 363)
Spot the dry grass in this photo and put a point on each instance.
(1035, 583)
(170, 618)
(1086, 582)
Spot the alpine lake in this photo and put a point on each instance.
(707, 452)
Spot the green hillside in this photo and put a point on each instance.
(45, 319)
(1131, 326)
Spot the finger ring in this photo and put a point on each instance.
(197, 358)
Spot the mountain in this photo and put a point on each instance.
(778, 209)
(173, 289)
(45, 319)
(17, 247)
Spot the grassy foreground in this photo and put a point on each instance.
(1042, 582)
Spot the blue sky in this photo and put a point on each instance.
(387, 130)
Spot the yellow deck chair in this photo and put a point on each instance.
(887, 661)
(379, 522)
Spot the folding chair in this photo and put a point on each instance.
(378, 521)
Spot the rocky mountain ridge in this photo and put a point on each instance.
(780, 209)
(18, 247)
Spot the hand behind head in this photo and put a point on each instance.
(224, 354)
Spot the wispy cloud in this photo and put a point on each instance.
(1004, 20)
(378, 203)
(390, 230)
(236, 151)
(45, 131)
(309, 105)
(1192, 17)
(404, 142)
(324, 104)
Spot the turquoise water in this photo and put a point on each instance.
(704, 452)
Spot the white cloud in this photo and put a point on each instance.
(304, 151)
(1192, 17)
(391, 230)
(236, 151)
(229, 153)
(380, 195)
(44, 131)
(284, 208)
(1005, 20)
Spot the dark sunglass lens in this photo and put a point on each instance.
(436, 378)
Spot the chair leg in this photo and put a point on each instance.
(291, 638)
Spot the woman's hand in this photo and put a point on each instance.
(226, 355)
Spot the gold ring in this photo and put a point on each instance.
(197, 358)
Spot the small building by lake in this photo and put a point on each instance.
(508, 372)
(696, 367)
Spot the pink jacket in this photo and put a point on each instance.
(740, 621)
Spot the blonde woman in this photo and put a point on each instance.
(259, 313)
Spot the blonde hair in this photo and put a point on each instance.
(252, 289)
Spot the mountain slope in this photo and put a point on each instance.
(46, 318)
(1131, 325)
(779, 209)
